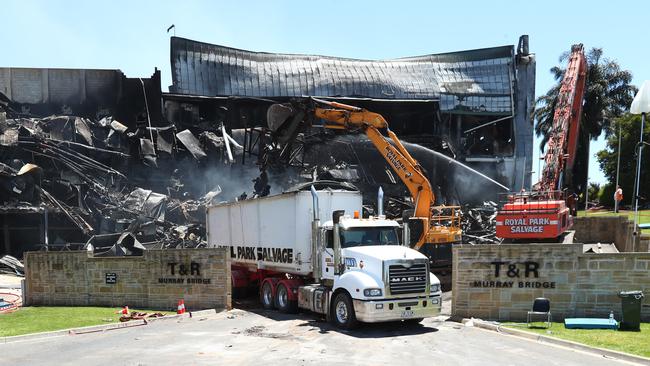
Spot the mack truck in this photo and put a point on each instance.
(309, 249)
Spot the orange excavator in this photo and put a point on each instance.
(432, 228)
(543, 213)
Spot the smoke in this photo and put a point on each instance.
(452, 181)
(237, 179)
(459, 182)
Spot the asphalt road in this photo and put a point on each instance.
(244, 337)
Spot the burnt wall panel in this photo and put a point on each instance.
(66, 86)
(26, 85)
(475, 81)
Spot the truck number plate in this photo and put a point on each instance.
(407, 314)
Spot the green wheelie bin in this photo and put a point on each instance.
(631, 307)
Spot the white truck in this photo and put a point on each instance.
(310, 249)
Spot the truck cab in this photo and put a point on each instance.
(376, 278)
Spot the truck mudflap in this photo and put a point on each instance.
(373, 311)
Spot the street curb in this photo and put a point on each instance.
(72, 331)
(557, 341)
(207, 312)
(104, 327)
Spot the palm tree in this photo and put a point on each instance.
(608, 94)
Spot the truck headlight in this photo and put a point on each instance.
(372, 292)
(435, 287)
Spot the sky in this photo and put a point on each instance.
(131, 35)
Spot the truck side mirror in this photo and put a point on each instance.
(336, 216)
(406, 232)
(415, 230)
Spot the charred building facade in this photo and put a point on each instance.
(473, 106)
(94, 158)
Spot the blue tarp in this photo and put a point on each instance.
(590, 323)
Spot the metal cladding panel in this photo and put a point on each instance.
(474, 81)
(26, 85)
(262, 231)
(66, 85)
(61, 86)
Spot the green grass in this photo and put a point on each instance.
(37, 319)
(644, 215)
(637, 343)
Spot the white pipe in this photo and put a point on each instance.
(227, 142)
(380, 202)
(232, 141)
(146, 104)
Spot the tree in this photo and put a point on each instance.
(630, 128)
(594, 190)
(608, 94)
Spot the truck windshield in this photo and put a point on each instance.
(363, 236)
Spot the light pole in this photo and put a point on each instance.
(587, 182)
(640, 105)
(587, 196)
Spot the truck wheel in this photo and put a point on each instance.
(282, 301)
(266, 295)
(343, 312)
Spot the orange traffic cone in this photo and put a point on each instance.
(181, 307)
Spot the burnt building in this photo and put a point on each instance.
(474, 106)
(88, 152)
(82, 92)
(55, 153)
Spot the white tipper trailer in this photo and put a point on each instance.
(305, 250)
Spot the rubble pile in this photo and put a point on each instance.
(105, 177)
(479, 224)
(11, 265)
(129, 188)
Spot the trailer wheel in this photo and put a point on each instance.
(266, 295)
(282, 301)
(343, 311)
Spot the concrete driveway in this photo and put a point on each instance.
(256, 337)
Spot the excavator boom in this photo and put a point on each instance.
(433, 227)
(342, 116)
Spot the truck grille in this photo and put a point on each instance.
(403, 280)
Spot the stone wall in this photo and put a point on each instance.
(610, 229)
(155, 280)
(500, 282)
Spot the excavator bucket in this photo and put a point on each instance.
(283, 119)
(278, 114)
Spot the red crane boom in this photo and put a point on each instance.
(561, 146)
(543, 213)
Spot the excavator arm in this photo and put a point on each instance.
(435, 224)
(342, 116)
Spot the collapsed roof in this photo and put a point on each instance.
(475, 81)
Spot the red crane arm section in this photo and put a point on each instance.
(563, 141)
